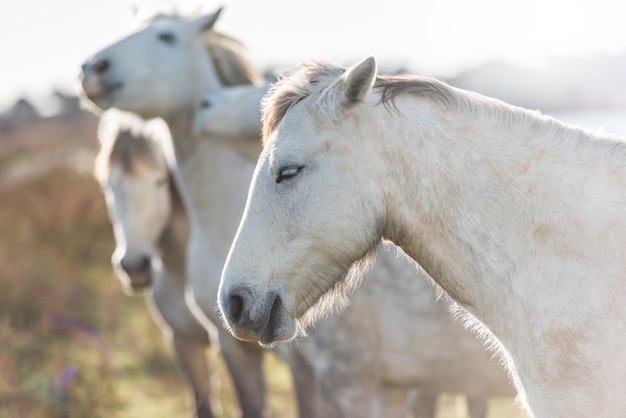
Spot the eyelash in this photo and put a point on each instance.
(288, 173)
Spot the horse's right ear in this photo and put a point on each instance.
(358, 80)
(207, 22)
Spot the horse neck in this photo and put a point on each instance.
(213, 179)
(458, 198)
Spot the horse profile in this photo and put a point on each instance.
(519, 218)
(151, 232)
(164, 69)
(425, 349)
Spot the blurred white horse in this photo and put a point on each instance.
(231, 113)
(163, 70)
(520, 218)
(380, 348)
(151, 232)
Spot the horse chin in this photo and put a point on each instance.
(138, 283)
(130, 290)
(106, 97)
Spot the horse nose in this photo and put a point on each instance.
(130, 266)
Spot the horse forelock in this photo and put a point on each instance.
(308, 79)
(128, 146)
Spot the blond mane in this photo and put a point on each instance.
(127, 141)
(312, 78)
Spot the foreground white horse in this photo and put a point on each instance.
(151, 233)
(519, 218)
(164, 70)
(368, 359)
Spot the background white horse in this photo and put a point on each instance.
(164, 70)
(380, 348)
(231, 113)
(151, 233)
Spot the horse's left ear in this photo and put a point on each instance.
(206, 22)
(358, 80)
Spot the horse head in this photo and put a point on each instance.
(134, 178)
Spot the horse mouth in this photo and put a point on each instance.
(105, 93)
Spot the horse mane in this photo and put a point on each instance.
(232, 67)
(291, 88)
(128, 141)
(313, 78)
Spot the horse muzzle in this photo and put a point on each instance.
(138, 274)
(257, 319)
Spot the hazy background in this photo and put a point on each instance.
(44, 42)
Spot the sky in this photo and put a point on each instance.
(43, 50)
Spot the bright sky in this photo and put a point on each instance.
(43, 42)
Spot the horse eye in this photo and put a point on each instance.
(162, 182)
(287, 173)
(167, 37)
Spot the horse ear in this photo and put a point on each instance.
(358, 80)
(207, 22)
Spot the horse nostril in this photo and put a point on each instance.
(125, 266)
(101, 66)
(145, 263)
(235, 308)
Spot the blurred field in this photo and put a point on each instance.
(71, 343)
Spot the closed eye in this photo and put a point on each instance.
(162, 182)
(288, 173)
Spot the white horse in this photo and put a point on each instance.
(163, 70)
(424, 348)
(520, 218)
(151, 232)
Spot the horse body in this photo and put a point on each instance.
(518, 217)
(151, 231)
